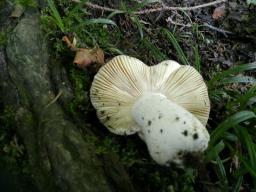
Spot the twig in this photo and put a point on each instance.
(146, 11)
(224, 32)
(54, 99)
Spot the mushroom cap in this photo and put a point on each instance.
(124, 79)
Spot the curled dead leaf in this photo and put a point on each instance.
(219, 12)
(85, 57)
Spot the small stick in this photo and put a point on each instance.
(224, 32)
(54, 99)
(146, 11)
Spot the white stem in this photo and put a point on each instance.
(168, 129)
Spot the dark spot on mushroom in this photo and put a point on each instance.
(184, 122)
(119, 104)
(142, 118)
(161, 130)
(195, 136)
(166, 64)
(149, 131)
(160, 116)
(149, 123)
(177, 118)
(103, 104)
(108, 118)
(102, 112)
(185, 133)
(157, 153)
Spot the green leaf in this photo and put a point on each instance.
(229, 123)
(115, 13)
(176, 45)
(243, 100)
(242, 79)
(55, 14)
(197, 59)
(139, 24)
(154, 51)
(238, 184)
(234, 70)
(250, 168)
(247, 142)
(213, 152)
(101, 21)
(221, 167)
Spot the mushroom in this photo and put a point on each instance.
(167, 105)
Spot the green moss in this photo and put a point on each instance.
(15, 174)
(3, 38)
(27, 3)
(79, 105)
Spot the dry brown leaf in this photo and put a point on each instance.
(67, 41)
(85, 57)
(219, 12)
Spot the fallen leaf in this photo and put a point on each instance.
(85, 57)
(219, 12)
(70, 45)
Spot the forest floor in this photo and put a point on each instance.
(219, 40)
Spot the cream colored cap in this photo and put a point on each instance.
(123, 80)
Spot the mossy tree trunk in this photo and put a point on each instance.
(59, 156)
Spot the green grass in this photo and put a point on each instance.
(231, 156)
(237, 127)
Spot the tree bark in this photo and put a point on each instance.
(60, 157)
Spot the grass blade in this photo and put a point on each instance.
(177, 47)
(56, 15)
(214, 151)
(247, 141)
(237, 186)
(232, 71)
(154, 51)
(250, 168)
(139, 24)
(197, 59)
(242, 79)
(101, 21)
(243, 100)
(228, 123)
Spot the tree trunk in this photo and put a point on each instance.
(60, 157)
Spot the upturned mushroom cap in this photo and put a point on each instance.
(123, 80)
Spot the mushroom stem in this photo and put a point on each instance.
(168, 129)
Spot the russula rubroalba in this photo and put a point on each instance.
(166, 104)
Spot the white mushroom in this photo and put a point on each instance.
(166, 104)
